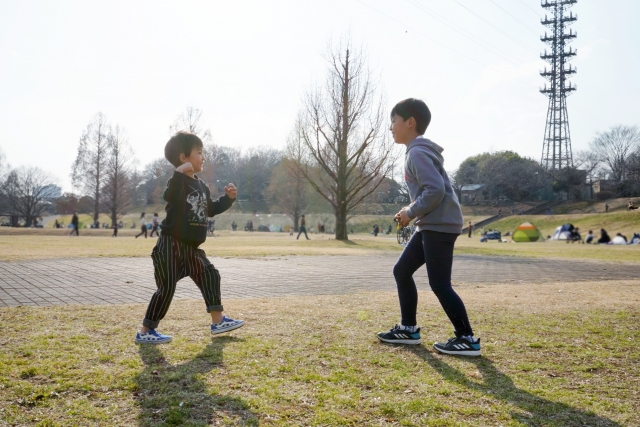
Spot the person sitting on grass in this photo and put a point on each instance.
(575, 235)
(604, 237)
(438, 220)
(176, 254)
(590, 237)
(631, 206)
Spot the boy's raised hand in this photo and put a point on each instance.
(231, 191)
(185, 167)
(402, 217)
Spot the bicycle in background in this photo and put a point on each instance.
(403, 234)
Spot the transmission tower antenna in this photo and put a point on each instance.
(556, 147)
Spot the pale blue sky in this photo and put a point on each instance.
(246, 64)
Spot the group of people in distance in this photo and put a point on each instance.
(605, 239)
(155, 224)
(434, 209)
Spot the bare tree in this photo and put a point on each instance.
(614, 148)
(4, 166)
(118, 171)
(589, 162)
(29, 191)
(347, 153)
(154, 179)
(254, 172)
(88, 170)
(189, 120)
(456, 182)
(288, 187)
(4, 170)
(222, 165)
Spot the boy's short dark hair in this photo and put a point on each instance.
(182, 142)
(415, 108)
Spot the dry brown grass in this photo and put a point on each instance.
(551, 358)
(25, 244)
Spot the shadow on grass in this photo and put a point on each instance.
(176, 395)
(495, 384)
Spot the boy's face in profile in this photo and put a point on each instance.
(403, 131)
(196, 158)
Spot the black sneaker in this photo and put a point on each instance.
(397, 335)
(459, 346)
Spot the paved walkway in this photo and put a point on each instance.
(130, 280)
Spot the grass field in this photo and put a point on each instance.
(550, 249)
(359, 223)
(23, 244)
(553, 355)
(623, 222)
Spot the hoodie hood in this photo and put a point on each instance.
(423, 142)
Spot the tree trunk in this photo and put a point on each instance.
(114, 217)
(341, 223)
(296, 222)
(341, 190)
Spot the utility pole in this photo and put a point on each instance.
(556, 147)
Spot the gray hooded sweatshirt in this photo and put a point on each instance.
(434, 204)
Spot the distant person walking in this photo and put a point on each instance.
(74, 224)
(606, 207)
(234, 226)
(143, 226)
(154, 225)
(470, 229)
(303, 228)
(115, 230)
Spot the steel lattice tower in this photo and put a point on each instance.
(556, 148)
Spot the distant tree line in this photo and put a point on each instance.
(26, 191)
(613, 155)
(107, 177)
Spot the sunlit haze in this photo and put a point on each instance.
(247, 64)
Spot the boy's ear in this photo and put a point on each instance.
(183, 158)
(411, 122)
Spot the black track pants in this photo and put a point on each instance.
(436, 251)
(174, 260)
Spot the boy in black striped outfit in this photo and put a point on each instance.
(176, 255)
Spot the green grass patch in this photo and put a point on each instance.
(625, 222)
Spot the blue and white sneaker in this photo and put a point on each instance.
(152, 337)
(226, 325)
(399, 335)
(461, 346)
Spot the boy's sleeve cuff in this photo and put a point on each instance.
(410, 214)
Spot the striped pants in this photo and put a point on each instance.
(174, 260)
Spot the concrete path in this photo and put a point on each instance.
(130, 280)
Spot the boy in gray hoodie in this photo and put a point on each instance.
(438, 220)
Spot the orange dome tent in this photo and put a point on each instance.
(526, 232)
